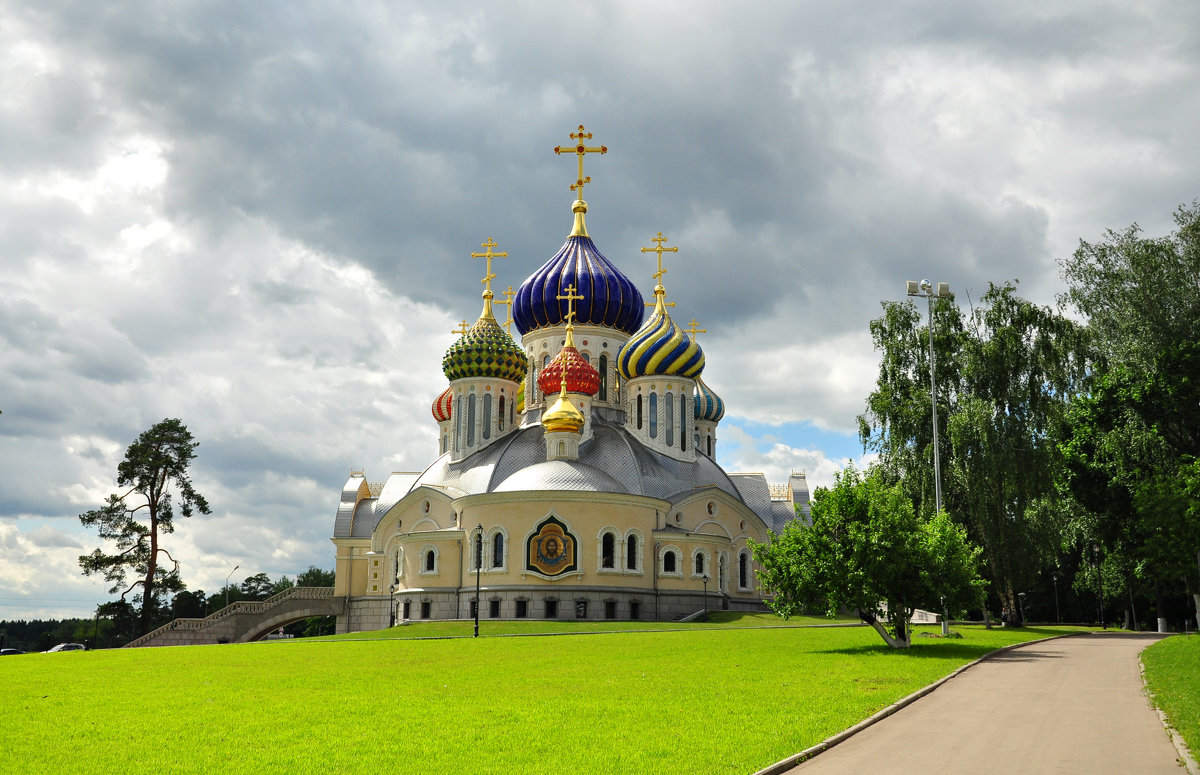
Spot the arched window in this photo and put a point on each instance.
(721, 572)
(699, 563)
(498, 550)
(683, 416)
(670, 412)
(631, 553)
(586, 358)
(500, 414)
(487, 415)
(603, 377)
(445, 441)
(470, 420)
(743, 570)
(669, 562)
(654, 415)
(562, 449)
(710, 446)
(430, 561)
(608, 551)
(459, 421)
(511, 404)
(639, 412)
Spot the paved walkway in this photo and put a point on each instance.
(1071, 705)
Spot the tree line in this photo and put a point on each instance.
(1069, 444)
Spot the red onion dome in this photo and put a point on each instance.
(441, 407)
(581, 377)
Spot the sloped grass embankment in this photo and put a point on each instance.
(1173, 674)
(703, 700)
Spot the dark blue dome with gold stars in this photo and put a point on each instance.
(609, 298)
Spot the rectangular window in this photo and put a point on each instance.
(425, 606)
(407, 609)
(635, 608)
(610, 609)
(471, 611)
(494, 609)
(551, 609)
(522, 609)
(580, 609)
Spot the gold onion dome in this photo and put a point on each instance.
(485, 350)
(563, 415)
(569, 365)
(660, 348)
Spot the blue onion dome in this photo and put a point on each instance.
(485, 350)
(609, 298)
(709, 405)
(660, 348)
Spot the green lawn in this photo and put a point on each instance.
(727, 699)
(1173, 673)
(459, 628)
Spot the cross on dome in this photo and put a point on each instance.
(691, 329)
(579, 150)
(462, 329)
(659, 249)
(571, 298)
(489, 255)
(508, 294)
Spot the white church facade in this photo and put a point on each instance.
(575, 475)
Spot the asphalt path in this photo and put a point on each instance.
(1070, 705)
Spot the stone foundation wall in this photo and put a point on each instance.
(572, 604)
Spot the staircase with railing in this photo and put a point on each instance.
(246, 620)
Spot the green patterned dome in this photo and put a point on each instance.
(486, 350)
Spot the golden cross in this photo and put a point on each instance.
(489, 255)
(579, 150)
(462, 329)
(508, 297)
(691, 329)
(571, 297)
(659, 249)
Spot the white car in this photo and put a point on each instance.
(68, 647)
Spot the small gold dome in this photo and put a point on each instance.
(562, 415)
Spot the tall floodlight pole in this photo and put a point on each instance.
(235, 567)
(478, 567)
(925, 290)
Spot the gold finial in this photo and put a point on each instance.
(462, 329)
(691, 329)
(508, 300)
(580, 206)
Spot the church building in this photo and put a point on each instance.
(575, 474)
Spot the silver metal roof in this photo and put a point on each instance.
(613, 460)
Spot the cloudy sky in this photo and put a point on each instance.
(257, 217)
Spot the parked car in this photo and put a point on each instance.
(68, 647)
(10, 652)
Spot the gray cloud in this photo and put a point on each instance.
(256, 217)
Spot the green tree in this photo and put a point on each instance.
(154, 465)
(1004, 373)
(257, 587)
(315, 577)
(868, 550)
(1135, 435)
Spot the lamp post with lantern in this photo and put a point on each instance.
(927, 291)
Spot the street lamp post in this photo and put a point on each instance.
(1057, 615)
(478, 568)
(925, 290)
(235, 567)
(391, 605)
(705, 579)
(1021, 604)
(1099, 584)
